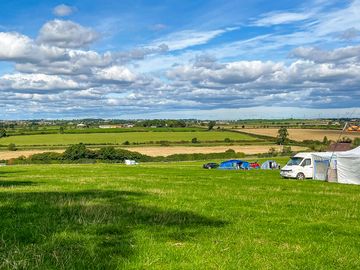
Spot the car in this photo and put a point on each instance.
(211, 165)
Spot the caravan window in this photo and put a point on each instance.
(295, 161)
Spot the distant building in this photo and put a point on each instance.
(110, 126)
(81, 125)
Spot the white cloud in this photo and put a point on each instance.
(189, 38)
(66, 34)
(115, 73)
(321, 56)
(19, 82)
(275, 18)
(63, 10)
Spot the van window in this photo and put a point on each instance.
(294, 161)
(306, 162)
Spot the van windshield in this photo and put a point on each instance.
(294, 161)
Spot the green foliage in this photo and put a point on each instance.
(126, 143)
(194, 140)
(282, 136)
(46, 157)
(227, 140)
(78, 151)
(2, 132)
(211, 125)
(325, 141)
(12, 147)
(61, 130)
(356, 142)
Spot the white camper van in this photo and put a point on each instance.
(300, 166)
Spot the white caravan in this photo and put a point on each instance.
(300, 166)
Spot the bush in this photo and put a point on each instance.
(194, 140)
(46, 157)
(78, 151)
(12, 147)
(227, 140)
(126, 143)
(356, 142)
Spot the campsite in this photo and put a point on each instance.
(173, 215)
(179, 135)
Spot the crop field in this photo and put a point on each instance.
(173, 216)
(119, 138)
(303, 134)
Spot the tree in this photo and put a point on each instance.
(2, 133)
(211, 125)
(78, 151)
(282, 135)
(61, 130)
(325, 141)
(194, 140)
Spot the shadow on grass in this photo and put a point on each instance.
(5, 183)
(85, 230)
(15, 183)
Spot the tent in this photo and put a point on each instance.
(269, 165)
(348, 166)
(342, 167)
(234, 164)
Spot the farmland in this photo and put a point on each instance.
(303, 134)
(119, 138)
(173, 216)
(167, 150)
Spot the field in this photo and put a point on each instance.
(167, 150)
(173, 216)
(303, 134)
(119, 138)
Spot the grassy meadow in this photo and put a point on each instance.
(173, 216)
(119, 138)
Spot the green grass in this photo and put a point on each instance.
(173, 216)
(119, 138)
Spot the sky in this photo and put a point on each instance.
(211, 59)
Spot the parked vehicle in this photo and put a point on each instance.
(300, 166)
(211, 165)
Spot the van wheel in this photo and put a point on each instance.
(300, 176)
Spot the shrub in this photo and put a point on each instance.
(356, 142)
(78, 151)
(194, 140)
(12, 147)
(126, 143)
(227, 140)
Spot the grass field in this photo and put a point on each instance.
(119, 138)
(303, 134)
(173, 216)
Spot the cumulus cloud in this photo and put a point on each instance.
(66, 34)
(63, 10)
(39, 82)
(322, 56)
(116, 74)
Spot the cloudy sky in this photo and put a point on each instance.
(209, 59)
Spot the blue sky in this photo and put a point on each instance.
(179, 59)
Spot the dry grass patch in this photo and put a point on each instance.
(303, 134)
